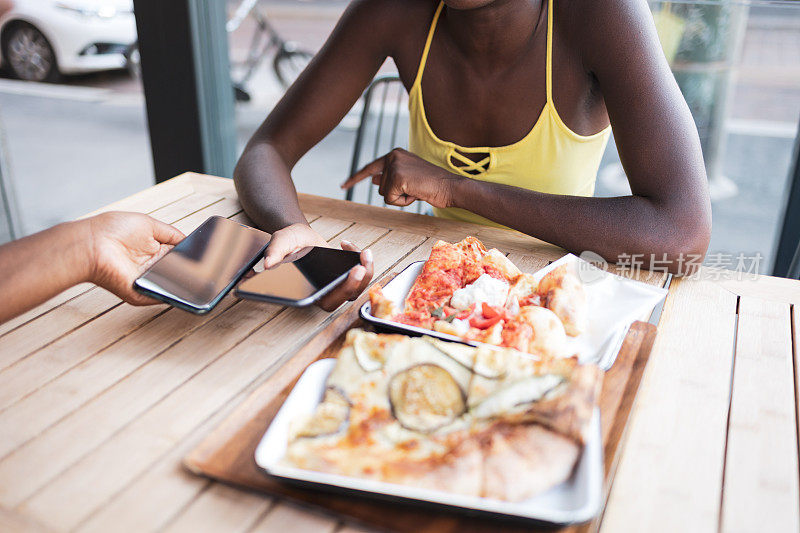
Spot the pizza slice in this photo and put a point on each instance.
(481, 421)
(479, 295)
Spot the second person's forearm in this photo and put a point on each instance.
(38, 267)
(266, 191)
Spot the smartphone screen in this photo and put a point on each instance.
(302, 277)
(202, 268)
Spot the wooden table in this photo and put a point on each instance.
(99, 401)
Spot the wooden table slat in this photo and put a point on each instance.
(159, 494)
(41, 309)
(220, 508)
(154, 197)
(14, 522)
(185, 207)
(674, 451)
(285, 516)
(528, 263)
(64, 319)
(761, 468)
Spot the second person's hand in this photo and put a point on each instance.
(292, 238)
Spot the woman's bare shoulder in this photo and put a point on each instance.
(600, 31)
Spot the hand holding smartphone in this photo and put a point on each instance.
(302, 278)
(198, 272)
(202, 268)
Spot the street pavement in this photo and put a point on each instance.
(83, 144)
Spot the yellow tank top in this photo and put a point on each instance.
(551, 158)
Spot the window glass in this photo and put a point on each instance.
(72, 115)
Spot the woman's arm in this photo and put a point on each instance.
(334, 80)
(110, 250)
(310, 109)
(669, 210)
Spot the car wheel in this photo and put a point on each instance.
(28, 54)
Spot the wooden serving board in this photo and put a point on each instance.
(228, 453)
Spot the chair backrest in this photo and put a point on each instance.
(383, 127)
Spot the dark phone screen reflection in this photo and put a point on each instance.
(302, 274)
(206, 262)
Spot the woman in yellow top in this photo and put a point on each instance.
(511, 105)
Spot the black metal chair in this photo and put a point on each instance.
(383, 127)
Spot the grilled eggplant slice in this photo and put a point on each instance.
(426, 397)
(330, 417)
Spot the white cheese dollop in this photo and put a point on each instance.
(460, 326)
(487, 289)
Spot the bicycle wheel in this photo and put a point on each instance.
(289, 63)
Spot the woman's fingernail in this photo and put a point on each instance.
(347, 243)
(368, 255)
(359, 273)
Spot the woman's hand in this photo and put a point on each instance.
(298, 236)
(122, 246)
(403, 177)
(289, 240)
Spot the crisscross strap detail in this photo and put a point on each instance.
(468, 165)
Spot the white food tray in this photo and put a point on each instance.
(614, 303)
(576, 500)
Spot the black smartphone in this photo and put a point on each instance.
(301, 278)
(202, 268)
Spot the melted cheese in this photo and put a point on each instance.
(487, 289)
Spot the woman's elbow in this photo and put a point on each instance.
(688, 242)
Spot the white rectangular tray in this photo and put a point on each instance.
(614, 303)
(576, 500)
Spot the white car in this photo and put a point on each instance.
(42, 39)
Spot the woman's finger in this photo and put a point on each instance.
(371, 169)
(366, 262)
(134, 298)
(347, 290)
(398, 198)
(349, 246)
(279, 247)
